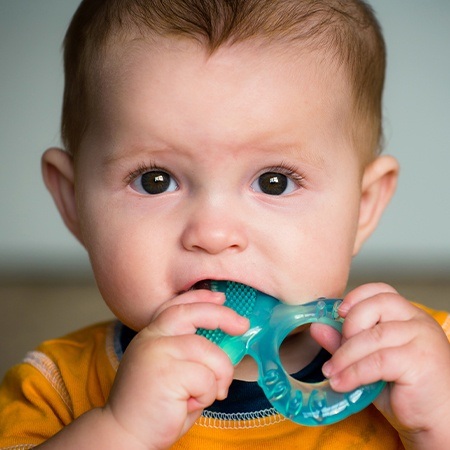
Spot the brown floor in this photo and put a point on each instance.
(32, 312)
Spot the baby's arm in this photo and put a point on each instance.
(386, 337)
(167, 376)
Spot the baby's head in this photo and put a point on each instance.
(346, 35)
(218, 140)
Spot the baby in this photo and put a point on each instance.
(224, 140)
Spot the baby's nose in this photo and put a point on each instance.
(214, 230)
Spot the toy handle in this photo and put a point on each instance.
(304, 403)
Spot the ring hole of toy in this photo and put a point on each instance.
(297, 353)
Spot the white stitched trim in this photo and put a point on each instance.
(51, 373)
(256, 419)
(19, 447)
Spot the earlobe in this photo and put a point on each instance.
(378, 186)
(58, 175)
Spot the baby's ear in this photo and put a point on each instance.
(378, 186)
(58, 174)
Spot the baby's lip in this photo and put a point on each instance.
(206, 283)
(196, 285)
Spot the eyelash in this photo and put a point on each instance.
(141, 169)
(286, 169)
(289, 171)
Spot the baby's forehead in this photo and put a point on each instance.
(270, 63)
(278, 94)
(119, 55)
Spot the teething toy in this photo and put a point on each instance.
(270, 322)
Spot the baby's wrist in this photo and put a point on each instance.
(96, 427)
(118, 436)
(435, 438)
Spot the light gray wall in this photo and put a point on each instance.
(414, 233)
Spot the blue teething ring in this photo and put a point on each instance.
(270, 322)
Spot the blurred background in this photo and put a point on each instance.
(46, 288)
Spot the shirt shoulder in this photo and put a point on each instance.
(56, 383)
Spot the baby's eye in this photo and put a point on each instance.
(274, 183)
(154, 182)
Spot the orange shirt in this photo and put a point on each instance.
(63, 378)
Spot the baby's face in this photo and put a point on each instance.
(236, 166)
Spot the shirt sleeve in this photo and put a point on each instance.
(34, 404)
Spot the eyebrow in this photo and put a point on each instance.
(291, 150)
(285, 150)
(133, 151)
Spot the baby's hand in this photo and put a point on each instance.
(169, 374)
(385, 337)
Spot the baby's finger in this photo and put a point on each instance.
(186, 318)
(194, 296)
(208, 356)
(388, 364)
(326, 336)
(385, 307)
(169, 353)
(203, 387)
(368, 342)
(362, 293)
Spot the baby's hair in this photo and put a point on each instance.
(345, 30)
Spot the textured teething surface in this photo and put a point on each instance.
(240, 298)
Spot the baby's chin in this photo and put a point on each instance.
(246, 370)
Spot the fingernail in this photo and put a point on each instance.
(218, 296)
(223, 394)
(244, 321)
(327, 369)
(335, 381)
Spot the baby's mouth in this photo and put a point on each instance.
(202, 284)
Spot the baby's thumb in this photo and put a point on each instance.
(326, 336)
